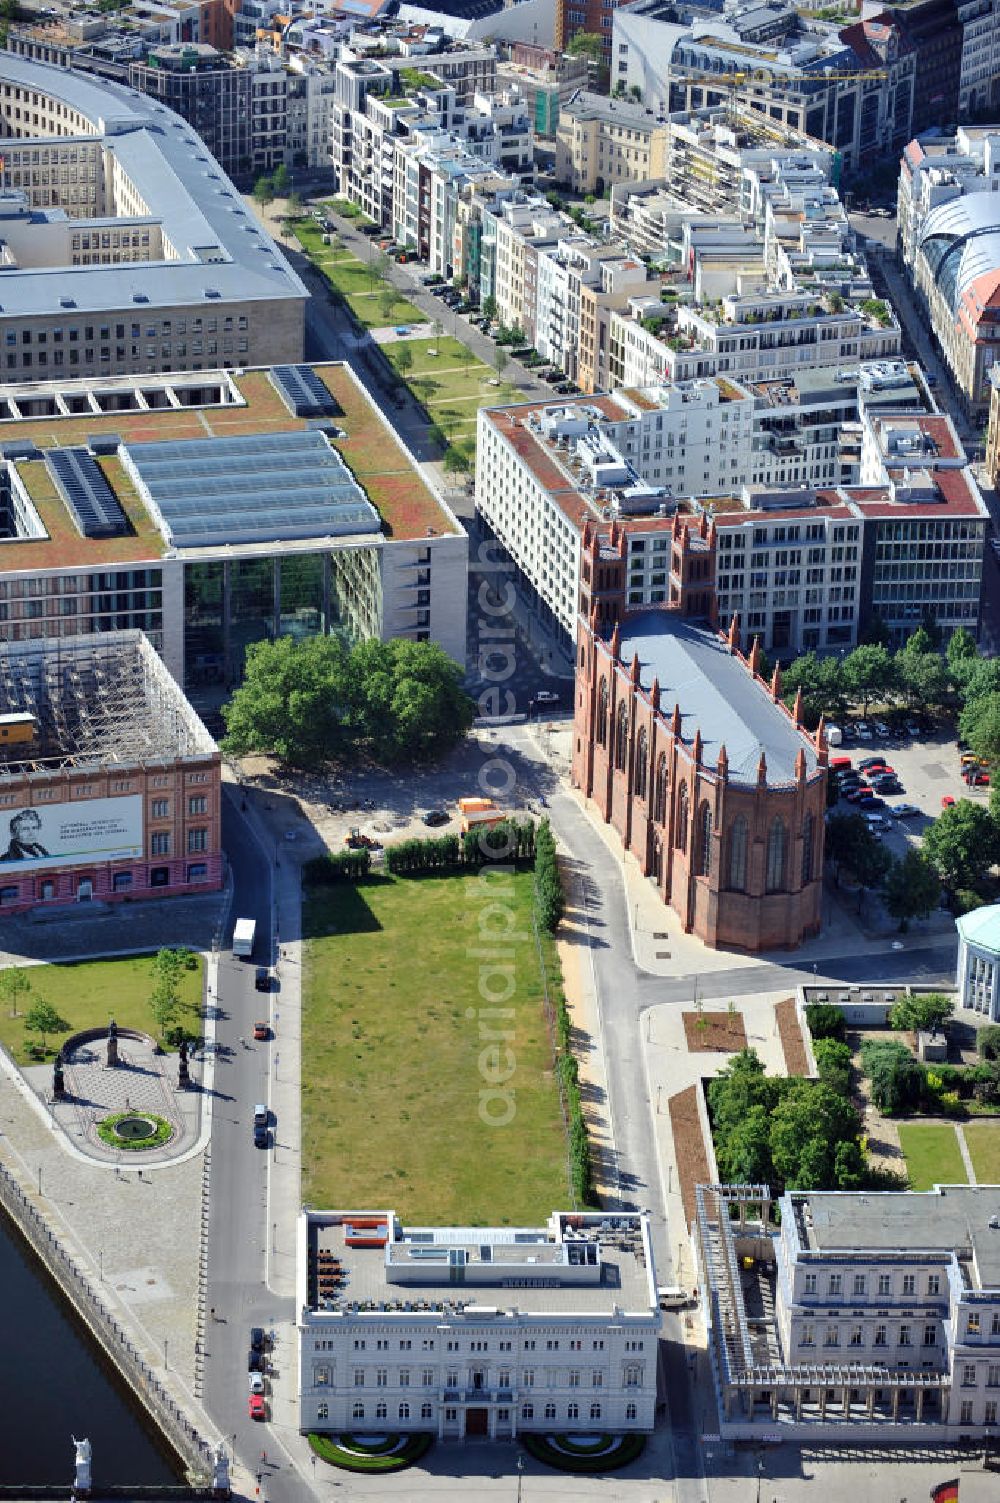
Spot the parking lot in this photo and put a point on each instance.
(928, 767)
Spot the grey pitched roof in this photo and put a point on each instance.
(716, 695)
(222, 252)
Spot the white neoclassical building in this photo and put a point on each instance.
(979, 960)
(476, 1331)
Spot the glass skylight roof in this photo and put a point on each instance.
(257, 488)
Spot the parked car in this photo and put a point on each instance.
(867, 805)
(261, 1029)
(887, 785)
(552, 376)
(906, 811)
(546, 697)
(864, 730)
(977, 778)
(262, 979)
(257, 1338)
(857, 794)
(435, 817)
(882, 730)
(913, 728)
(260, 1136)
(565, 388)
(868, 764)
(255, 1407)
(255, 1360)
(847, 733)
(256, 1382)
(947, 802)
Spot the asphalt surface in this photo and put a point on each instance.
(238, 1218)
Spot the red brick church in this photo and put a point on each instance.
(711, 782)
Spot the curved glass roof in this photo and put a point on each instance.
(960, 241)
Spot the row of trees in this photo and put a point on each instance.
(911, 884)
(277, 184)
(550, 901)
(787, 1132)
(918, 676)
(322, 699)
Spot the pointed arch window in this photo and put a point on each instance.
(777, 844)
(738, 854)
(602, 713)
(660, 790)
(682, 817)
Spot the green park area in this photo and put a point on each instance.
(372, 300)
(403, 1102)
(983, 1142)
(932, 1154)
(451, 383)
(86, 994)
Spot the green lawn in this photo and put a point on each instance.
(932, 1154)
(394, 1060)
(353, 279)
(983, 1142)
(89, 992)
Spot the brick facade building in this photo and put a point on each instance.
(710, 781)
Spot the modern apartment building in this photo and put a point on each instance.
(127, 248)
(476, 1331)
(800, 72)
(218, 509)
(886, 1312)
(949, 231)
(806, 562)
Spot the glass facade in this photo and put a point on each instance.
(68, 605)
(230, 604)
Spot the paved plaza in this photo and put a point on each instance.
(144, 1080)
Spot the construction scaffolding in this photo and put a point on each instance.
(99, 702)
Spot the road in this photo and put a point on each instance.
(624, 993)
(238, 1219)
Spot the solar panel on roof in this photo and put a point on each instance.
(92, 503)
(301, 390)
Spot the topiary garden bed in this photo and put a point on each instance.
(585, 1453)
(371, 1453)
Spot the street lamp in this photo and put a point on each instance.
(760, 1475)
(520, 1475)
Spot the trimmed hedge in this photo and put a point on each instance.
(629, 1449)
(550, 902)
(338, 866)
(162, 1131)
(382, 1460)
(509, 840)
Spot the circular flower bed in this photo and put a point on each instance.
(371, 1453)
(160, 1131)
(585, 1453)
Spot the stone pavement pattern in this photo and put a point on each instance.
(144, 1081)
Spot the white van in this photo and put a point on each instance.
(834, 735)
(671, 1297)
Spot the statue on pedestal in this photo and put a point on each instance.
(112, 1043)
(58, 1078)
(81, 1481)
(183, 1078)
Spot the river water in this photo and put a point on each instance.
(54, 1384)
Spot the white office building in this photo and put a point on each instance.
(979, 961)
(476, 1331)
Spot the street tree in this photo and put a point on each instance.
(868, 674)
(42, 1018)
(982, 678)
(961, 653)
(263, 191)
(410, 704)
(979, 725)
(293, 206)
(822, 685)
(922, 678)
(912, 888)
(403, 358)
(501, 359)
(455, 461)
(281, 181)
(14, 987)
(922, 1012)
(852, 847)
(962, 844)
(489, 307)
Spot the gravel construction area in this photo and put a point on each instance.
(792, 1045)
(689, 1147)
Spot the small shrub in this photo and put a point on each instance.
(826, 1021)
(988, 1042)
